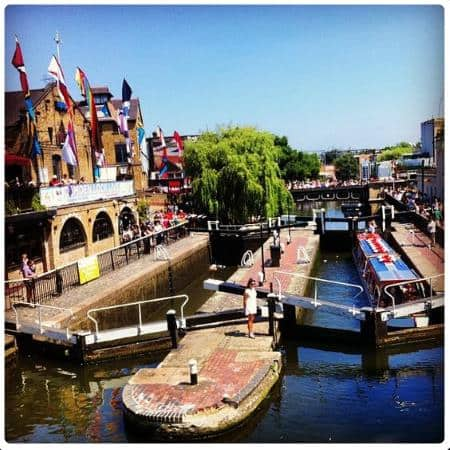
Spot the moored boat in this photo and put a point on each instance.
(380, 266)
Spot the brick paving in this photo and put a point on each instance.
(288, 263)
(232, 368)
(427, 260)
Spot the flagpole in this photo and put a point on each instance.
(58, 41)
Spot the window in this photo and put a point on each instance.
(72, 235)
(100, 99)
(71, 170)
(56, 164)
(121, 153)
(102, 227)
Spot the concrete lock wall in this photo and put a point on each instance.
(149, 283)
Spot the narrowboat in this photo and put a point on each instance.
(380, 266)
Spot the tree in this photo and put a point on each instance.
(235, 175)
(395, 152)
(346, 167)
(296, 165)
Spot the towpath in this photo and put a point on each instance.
(427, 260)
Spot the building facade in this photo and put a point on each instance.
(57, 225)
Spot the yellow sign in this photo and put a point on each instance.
(88, 269)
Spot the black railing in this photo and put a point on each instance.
(19, 199)
(43, 288)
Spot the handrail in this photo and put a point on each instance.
(357, 286)
(40, 306)
(419, 280)
(138, 304)
(42, 275)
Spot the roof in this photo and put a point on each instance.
(372, 244)
(395, 271)
(15, 103)
(101, 90)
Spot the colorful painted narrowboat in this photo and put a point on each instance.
(380, 266)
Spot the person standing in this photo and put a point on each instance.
(250, 306)
(431, 227)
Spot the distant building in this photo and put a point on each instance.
(166, 164)
(430, 179)
(327, 171)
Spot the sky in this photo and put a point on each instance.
(324, 76)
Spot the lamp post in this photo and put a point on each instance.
(289, 223)
(263, 271)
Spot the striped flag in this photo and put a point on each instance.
(18, 63)
(86, 91)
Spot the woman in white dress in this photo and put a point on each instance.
(250, 305)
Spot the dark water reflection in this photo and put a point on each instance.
(326, 394)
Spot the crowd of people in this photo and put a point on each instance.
(316, 184)
(420, 202)
(154, 224)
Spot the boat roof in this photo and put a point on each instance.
(394, 270)
(373, 244)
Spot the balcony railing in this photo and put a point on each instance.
(20, 199)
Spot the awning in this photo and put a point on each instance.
(11, 159)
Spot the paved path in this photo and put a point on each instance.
(427, 260)
(235, 372)
(300, 238)
(86, 296)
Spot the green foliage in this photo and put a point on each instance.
(36, 203)
(235, 175)
(142, 209)
(346, 167)
(332, 155)
(295, 165)
(395, 152)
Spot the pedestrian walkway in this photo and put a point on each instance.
(95, 293)
(427, 260)
(222, 301)
(235, 372)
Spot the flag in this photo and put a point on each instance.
(124, 114)
(69, 150)
(18, 63)
(164, 168)
(55, 70)
(86, 91)
(105, 110)
(179, 141)
(140, 130)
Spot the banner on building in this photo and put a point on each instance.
(88, 269)
(81, 193)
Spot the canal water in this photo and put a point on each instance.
(327, 394)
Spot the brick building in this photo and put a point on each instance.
(59, 225)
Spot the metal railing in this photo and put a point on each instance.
(139, 304)
(41, 327)
(314, 301)
(53, 283)
(427, 297)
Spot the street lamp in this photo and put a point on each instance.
(263, 271)
(289, 223)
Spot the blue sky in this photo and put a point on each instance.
(324, 76)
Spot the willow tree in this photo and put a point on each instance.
(235, 175)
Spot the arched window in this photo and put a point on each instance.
(72, 235)
(126, 219)
(102, 227)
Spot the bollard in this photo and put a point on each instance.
(260, 278)
(193, 369)
(172, 327)
(271, 303)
